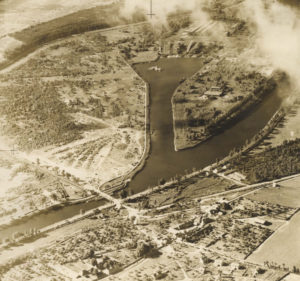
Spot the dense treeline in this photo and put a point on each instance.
(85, 20)
(37, 116)
(277, 162)
(75, 23)
(178, 20)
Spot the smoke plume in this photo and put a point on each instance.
(162, 9)
(278, 35)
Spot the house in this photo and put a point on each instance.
(214, 92)
(262, 222)
(204, 98)
(218, 263)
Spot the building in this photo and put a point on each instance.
(214, 92)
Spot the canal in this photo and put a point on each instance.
(164, 161)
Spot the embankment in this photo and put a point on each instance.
(223, 121)
(120, 182)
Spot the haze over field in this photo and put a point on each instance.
(276, 25)
(162, 9)
(278, 35)
(16, 15)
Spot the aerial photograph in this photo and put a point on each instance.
(145, 140)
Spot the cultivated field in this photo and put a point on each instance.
(286, 193)
(283, 247)
(76, 109)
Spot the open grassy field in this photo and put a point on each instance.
(286, 194)
(292, 277)
(187, 190)
(283, 247)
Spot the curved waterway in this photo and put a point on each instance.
(50, 217)
(164, 161)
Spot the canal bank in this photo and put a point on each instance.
(120, 182)
(53, 215)
(163, 161)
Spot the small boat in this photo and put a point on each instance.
(155, 68)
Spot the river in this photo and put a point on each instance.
(164, 161)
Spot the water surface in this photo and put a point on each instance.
(164, 161)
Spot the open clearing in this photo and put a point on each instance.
(74, 110)
(283, 247)
(292, 277)
(286, 194)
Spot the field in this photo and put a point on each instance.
(27, 188)
(286, 193)
(185, 191)
(79, 79)
(292, 277)
(33, 36)
(282, 247)
(76, 109)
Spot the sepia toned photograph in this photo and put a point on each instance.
(145, 140)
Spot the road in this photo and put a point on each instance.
(262, 185)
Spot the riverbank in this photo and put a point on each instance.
(115, 185)
(119, 183)
(57, 206)
(113, 143)
(202, 109)
(252, 143)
